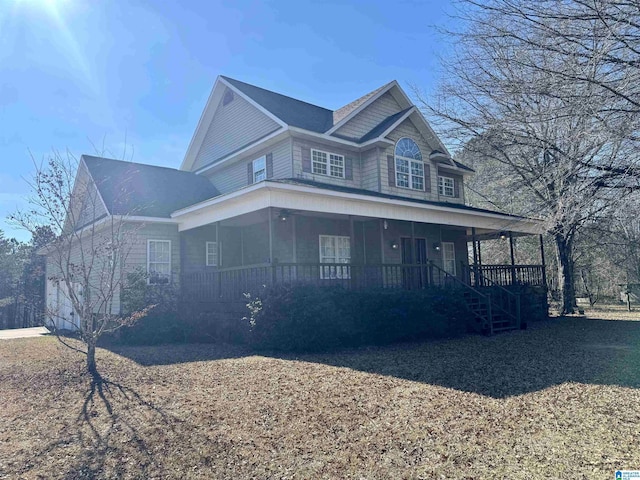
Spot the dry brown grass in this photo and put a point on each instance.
(559, 400)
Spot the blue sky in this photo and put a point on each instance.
(75, 74)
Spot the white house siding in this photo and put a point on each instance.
(370, 117)
(299, 145)
(233, 126)
(234, 176)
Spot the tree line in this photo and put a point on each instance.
(544, 98)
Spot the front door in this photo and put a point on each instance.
(414, 254)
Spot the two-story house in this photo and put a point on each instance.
(274, 189)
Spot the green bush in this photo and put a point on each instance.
(310, 318)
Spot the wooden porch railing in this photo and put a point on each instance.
(229, 284)
(504, 275)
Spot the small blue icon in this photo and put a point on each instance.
(618, 475)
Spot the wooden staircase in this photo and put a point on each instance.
(495, 308)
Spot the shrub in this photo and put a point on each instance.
(311, 318)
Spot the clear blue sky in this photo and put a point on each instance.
(138, 72)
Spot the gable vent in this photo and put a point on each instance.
(227, 98)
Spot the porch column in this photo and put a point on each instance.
(544, 267)
(269, 216)
(513, 259)
(381, 223)
(475, 256)
(295, 246)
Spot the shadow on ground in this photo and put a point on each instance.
(550, 353)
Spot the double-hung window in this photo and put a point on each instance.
(446, 186)
(449, 257)
(409, 165)
(259, 169)
(335, 250)
(158, 261)
(325, 163)
(211, 254)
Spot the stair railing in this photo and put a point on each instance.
(485, 297)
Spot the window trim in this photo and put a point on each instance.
(149, 282)
(328, 164)
(442, 189)
(263, 170)
(215, 254)
(452, 259)
(410, 175)
(332, 270)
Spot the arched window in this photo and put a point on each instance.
(409, 166)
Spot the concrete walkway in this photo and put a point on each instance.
(23, 333)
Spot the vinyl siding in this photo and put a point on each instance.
(459, 181)
(233, 126)
(370, 117)
(234, 176)
(370, 170)
(299, 145)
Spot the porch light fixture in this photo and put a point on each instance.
(284, 215)
(385, 225)
(394, 245)
(436, 247)
(503, 236)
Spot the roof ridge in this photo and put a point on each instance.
(276, 93)
(84, 155)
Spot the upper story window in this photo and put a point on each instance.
(446, 186)
(409, 166)
(325, 163)
(259, 169)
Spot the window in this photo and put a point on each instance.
(325, 163)
(409, 166)
(212, 254)
(334, 249)
(159, 261)
(449, 257)
(446, 186)
(259, 169)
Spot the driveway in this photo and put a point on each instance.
(23, 333)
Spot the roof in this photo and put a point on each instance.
(129, 188)
(371, 193)
(295, 113)
(342, 112)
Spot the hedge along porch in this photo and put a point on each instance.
(293, 232)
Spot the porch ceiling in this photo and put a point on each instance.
(324, 201)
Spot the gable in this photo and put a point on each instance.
(86, 205)
(408, 129)
(370, 117)
(235, 124)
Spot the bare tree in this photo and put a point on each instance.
(544, 112)
(88, 257)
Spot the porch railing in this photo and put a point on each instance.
(504, 275)
(229, 284)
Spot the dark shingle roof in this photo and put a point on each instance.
(463, 166)
(376, 131)
(295, 113)
(129, 188)
(370, 193)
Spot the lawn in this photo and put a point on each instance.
(560, 400)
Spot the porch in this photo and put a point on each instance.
(234, 246)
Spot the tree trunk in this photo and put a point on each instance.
(91, 359)
(564, 252)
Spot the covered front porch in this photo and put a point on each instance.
(275, 234)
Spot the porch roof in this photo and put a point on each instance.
(301, 195)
